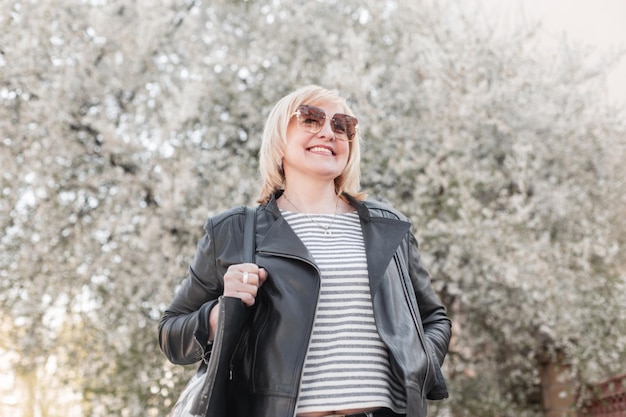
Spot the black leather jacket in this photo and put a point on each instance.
(410, 319)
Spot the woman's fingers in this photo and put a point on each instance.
(243, 281)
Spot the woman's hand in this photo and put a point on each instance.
(240, 281)
(243, 281)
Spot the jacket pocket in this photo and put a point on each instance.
(437, 389)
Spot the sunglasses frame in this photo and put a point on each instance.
(347, 122)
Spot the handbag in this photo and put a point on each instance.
(206, 392)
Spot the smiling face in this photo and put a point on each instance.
(318, 155)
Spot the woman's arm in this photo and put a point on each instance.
(188, 325)
(437, 325)
(184, 327)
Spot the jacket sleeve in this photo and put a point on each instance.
(184, 326)
(437, 325)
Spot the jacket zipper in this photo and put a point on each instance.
(403, 279)
(238, 347)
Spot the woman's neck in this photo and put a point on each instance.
(308, 200)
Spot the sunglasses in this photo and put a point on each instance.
(312, 119)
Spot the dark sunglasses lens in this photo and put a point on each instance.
(343, 126)
(311, 118)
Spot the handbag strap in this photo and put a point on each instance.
(249, 235)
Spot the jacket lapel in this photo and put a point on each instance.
(382, 237)
(280, 239)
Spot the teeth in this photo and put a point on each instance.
(321, 150)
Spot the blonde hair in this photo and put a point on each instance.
(275, 139)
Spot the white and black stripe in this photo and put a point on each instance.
(347, 365)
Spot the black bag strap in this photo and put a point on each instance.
(249, 235)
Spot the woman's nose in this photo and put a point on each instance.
(326, 131)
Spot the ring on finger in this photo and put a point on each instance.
(245, 277)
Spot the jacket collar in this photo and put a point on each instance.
(382, 236)
(359, 206)
(278, 237)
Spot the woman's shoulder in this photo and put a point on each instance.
(227, 217)
(382, 208)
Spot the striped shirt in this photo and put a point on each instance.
(347, 365)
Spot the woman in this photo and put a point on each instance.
(344, 318)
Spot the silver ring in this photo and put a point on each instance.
(245, 277)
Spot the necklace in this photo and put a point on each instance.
(326, 228)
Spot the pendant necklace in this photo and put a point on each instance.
(326, 228)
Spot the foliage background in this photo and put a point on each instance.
(124, 124)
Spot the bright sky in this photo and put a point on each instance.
(600, 23)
